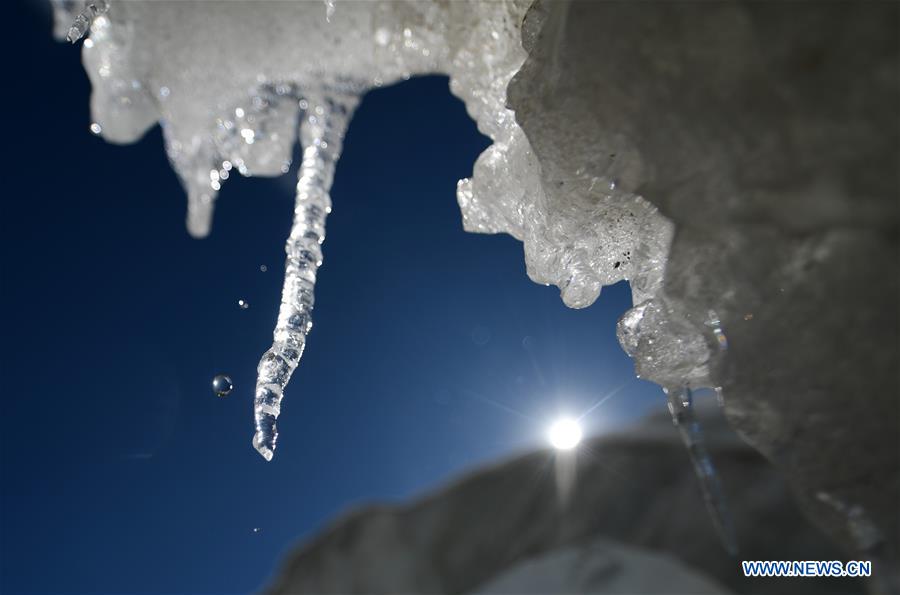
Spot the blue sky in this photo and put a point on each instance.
(431, 353)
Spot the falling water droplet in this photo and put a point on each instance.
(263, 268)
(243, 304)
(95, 128)
(222, 385)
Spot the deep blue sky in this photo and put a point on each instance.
(431, 352)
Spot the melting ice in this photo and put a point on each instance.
(322, 135)
(234, 84)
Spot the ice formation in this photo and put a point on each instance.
(681, 406)
(321, 136)
(758, 129)
(85, 19)
(229, 82)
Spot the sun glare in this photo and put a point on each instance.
(565, 434)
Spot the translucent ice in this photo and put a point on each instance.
(322, 135)
(228, 80)
(681, 407)
(84, 19)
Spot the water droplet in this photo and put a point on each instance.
(256, 529)
(222, 385)
(95, 128)
(263, 268)
(243, 304)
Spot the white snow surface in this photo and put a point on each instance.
(601, 567)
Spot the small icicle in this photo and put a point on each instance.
(82, 22)
(202, 171)
(321, 136)
(681, 407)
(200, 211)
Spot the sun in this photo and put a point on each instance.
(565, 434)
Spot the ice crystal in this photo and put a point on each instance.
(83, 21)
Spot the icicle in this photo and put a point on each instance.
(85, 18)
(681, 407)
(321, 136)
(202, 172)
(200, 211)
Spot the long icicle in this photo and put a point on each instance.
(681, 406)
(321, 136)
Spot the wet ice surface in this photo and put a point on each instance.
(234, 88)
(321, 135)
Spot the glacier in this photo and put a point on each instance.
(729, 160)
